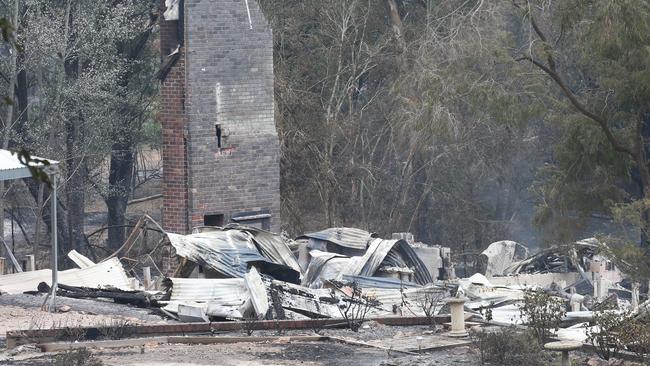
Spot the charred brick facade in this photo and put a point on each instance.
(220, 144)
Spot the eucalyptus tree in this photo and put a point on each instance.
(88, 92)
(596, 57)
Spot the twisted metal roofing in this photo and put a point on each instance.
(343, 236)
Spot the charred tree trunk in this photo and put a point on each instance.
(396, 23)
(21, 96)
(119, 180)
(123, 150)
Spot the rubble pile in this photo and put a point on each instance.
(243, 273)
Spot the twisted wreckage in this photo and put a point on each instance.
(242, 273)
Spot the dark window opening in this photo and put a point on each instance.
(257, 219)
(218, 128)
(213, 220)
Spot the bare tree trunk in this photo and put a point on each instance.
(8, 122)
(22, 96)
(123, 150)
(396, 23)
(62, 222)
(39, 216)
(120, 176)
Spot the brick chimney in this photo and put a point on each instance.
(220, 145)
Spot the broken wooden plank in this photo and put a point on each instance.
(11, 256)
(137, 298)
(130, 240)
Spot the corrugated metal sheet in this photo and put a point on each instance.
(378, 251)
(315, 269)
(101, 275)
(257, 293)
(228, 252)
(345, 237)
(379, 282)
(80, 260)
(413, 297)
(217, 297)
(227, 291)
(270, 245)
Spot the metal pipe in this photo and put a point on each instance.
(250, 20)
(55, 247)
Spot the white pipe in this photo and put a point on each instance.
(55, 249)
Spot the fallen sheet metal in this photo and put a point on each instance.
(379, 282)
(380, 250)
(257, 292)
(380, 254)
(482, 293)
(192, 313)
(342, 236)
(217, 297)
(80, 260)
(270, 245)
(313, 303)
(407, 301)
(326, 266)
(500, 255)
(229, 253)
(108, 274)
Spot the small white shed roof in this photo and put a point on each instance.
(12, 168)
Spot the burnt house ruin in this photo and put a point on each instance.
(220, 144)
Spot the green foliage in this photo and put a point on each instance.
(152, 133)
(508, 346)
(543, 314)
(80, 75)
(605, 335)
(38, 168)
(600, 51)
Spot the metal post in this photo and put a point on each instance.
(146, 275)
(30, 263)
(55, 246)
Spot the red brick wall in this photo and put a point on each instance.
(173, 119)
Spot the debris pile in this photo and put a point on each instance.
(247, 274)
(243, 273)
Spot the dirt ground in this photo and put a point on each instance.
(23, 312)
(269, 354)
